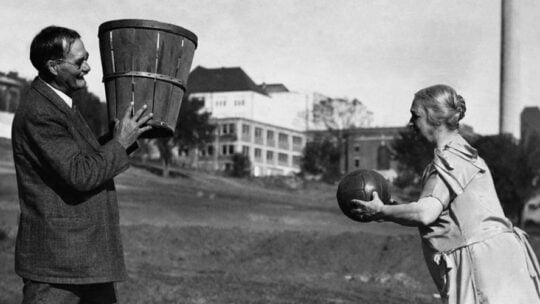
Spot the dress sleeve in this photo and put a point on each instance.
(434, 186)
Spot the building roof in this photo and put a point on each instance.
(274, 88)
(9, 81)
(203, 80)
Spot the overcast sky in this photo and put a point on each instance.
(380, 52)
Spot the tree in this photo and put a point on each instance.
(193, 130)
(165, 145)
(321, 158)
(413, 153)
(241, 166)
(515, 168)
(505, 161)
(93, 110)
(340, 114)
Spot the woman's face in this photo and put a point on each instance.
(419, 121)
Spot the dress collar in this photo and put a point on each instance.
(459, 147)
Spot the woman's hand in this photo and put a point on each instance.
(368, 210)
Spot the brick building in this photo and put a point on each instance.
(367, 148)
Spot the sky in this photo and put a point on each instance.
(380, 52)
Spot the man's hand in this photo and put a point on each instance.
(127, 130)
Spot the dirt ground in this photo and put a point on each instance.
(199, 238)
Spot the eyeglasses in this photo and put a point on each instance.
(79, 66)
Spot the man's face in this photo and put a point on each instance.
(72, 69)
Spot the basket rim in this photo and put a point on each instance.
(147, 24)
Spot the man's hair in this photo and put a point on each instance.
(49, 44)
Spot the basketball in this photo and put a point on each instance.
(360, 184)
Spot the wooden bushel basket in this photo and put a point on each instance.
(147, 62)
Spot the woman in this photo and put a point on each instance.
(473, 252)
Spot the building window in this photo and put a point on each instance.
(356, 163)
(210, 150)
(245, 129)
(228, 128)
(283, 140)
(246, 133)
(227, 149)
(356, 148)
(270, 135)
(283, 158)
(297, 143)
(221, 103)
(270, 138)
(239, 102)
(258, 153)
(245, 150)
(296, 160)
(258, 135)
(258, 132)
(269, 156)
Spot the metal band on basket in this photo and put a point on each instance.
(175, 81)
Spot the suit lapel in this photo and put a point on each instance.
(84, 129)
(40, 86)
(76, 118)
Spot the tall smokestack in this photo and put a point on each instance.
(510, 86)
(520, 63)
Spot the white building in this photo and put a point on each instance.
(230, 92)
(265, 122)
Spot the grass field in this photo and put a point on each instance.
(200, 238)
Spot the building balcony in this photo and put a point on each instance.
(228, 137)
(246, 138)
(283, 145)
(297, 148)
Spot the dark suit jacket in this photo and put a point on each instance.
(69, 224)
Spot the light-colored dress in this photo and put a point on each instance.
(473, 252)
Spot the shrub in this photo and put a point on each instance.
(241, 166)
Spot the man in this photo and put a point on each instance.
(68, 247)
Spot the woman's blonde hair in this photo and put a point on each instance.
(442, 105)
